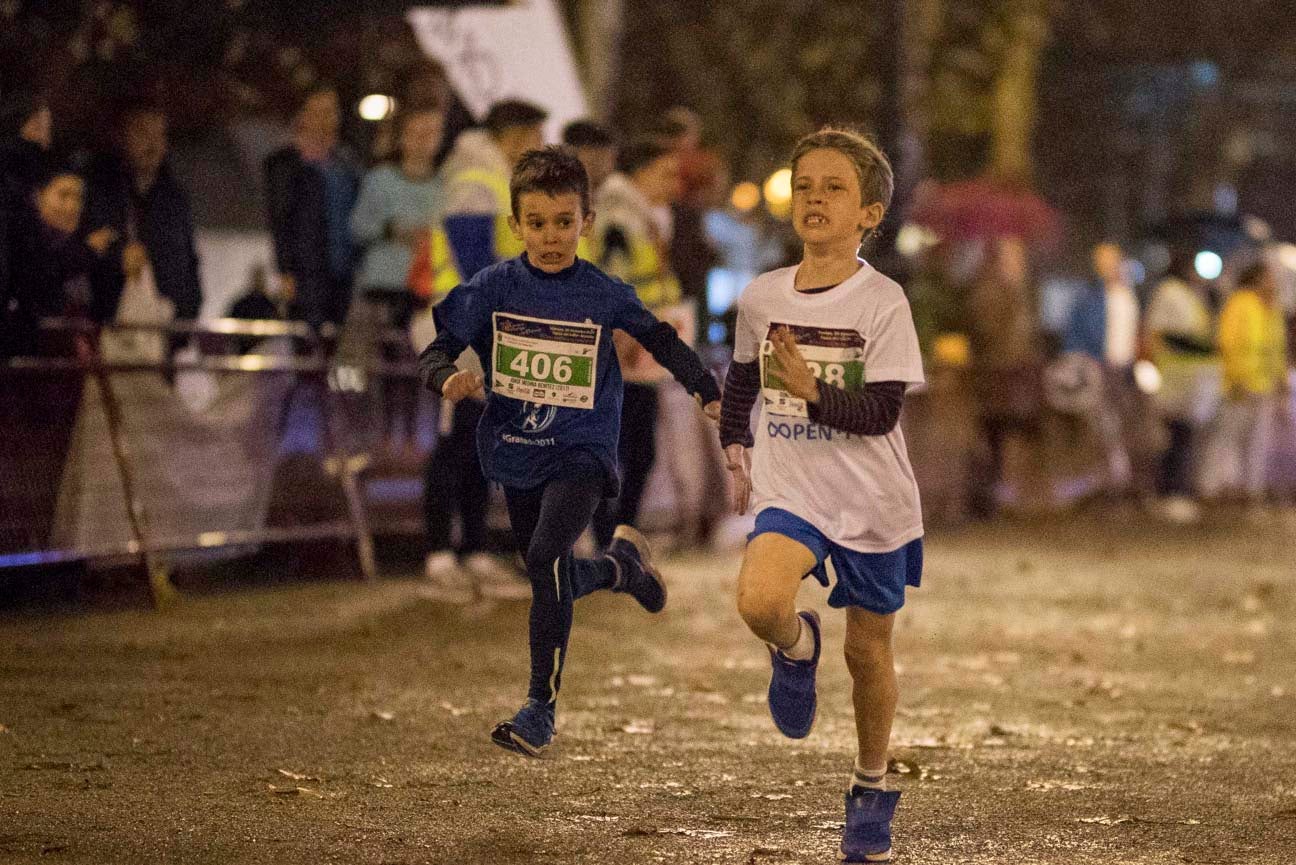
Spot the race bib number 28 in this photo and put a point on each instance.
(547, 362)
(834, 355)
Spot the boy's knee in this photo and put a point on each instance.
(866, 655)
(761, 614)
(540, 564)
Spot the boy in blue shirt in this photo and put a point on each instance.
(542, 323)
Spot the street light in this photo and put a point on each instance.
(778, 192)
(1208, 264)
(376, 107)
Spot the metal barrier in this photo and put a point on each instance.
(50, 401)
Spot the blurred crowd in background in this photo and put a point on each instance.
(1157, 371)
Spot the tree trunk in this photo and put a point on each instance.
(1015, 100)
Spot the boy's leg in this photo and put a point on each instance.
(875, 691)
(772, 568)
(767, 585)
(550, 522)
(869, 806)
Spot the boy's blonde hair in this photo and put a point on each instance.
(876, 179)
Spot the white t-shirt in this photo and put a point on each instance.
(858, 490)
(1122, 325)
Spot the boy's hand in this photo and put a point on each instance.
(462, 385)
(796, 375)
(738, 461)
(712, 411)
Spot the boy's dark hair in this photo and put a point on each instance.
(513, 112)
(1252, 274)
(587, 133)
(640, 152)
(553, 170)
(876, 179)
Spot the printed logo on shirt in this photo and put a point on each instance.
(535, 417)
(834, 355)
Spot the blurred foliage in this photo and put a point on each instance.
(206, 62)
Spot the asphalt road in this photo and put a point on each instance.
(1079, 690)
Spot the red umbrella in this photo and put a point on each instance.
(969, 209)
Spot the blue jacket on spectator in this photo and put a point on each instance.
(160, 218)
(1086, 330)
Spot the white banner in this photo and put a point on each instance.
(518, 51)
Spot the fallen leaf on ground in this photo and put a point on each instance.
(297, 777)
(773, 797)
(301, 791)
(385, 717)
(638, 728)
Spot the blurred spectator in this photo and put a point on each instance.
(691, 253)
(631, 247)
(1178, 337)
(1104, 324)
(311, 187)
(133, 191)
(477, 211)
(1252, 343)
(50, 273)
(26, 136)
(399, 201)
(50, 269)
(595, 146)
(1006, 365)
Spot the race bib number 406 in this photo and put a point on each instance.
(834, 355)
(547, 362)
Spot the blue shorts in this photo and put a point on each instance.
(874, 581)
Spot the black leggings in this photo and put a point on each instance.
(547, 521)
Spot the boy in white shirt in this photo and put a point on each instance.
(830, 346)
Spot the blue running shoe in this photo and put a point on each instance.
(530, 731)
(792, 686)
(636, 575)
(868, 826)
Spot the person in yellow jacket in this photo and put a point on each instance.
(474, 234)
(1253, 349)
(630, 244)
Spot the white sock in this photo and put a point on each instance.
(868, 779)
(803, 648)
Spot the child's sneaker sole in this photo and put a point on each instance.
(504, 736)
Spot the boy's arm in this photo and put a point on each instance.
(472, 240)
(741, 388)
(872, 411)
(664, 344)
(437, 362)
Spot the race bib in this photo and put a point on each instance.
(834, 355)
(547, 362)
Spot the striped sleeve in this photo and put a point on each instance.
(741, 387)
(872, 411)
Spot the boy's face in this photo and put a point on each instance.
(826, 204)
(550, 226)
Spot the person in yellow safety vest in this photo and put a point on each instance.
(473, 234)
(631, 245)
(1253, 348)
